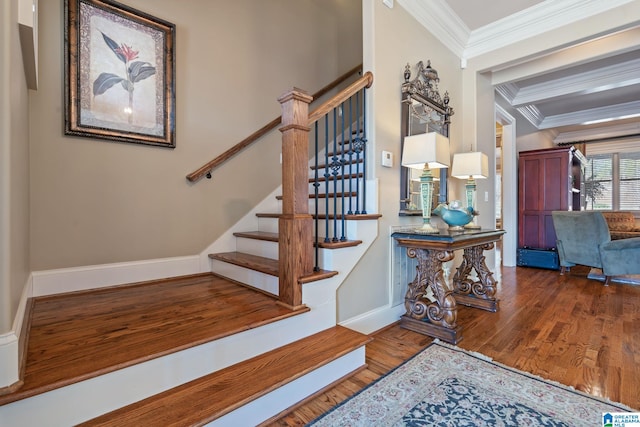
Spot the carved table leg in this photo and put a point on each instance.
(437, 317)
(481, 293)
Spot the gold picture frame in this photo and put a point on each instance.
(119, 74)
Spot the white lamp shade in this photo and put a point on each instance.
(473, 164)
(431, 148)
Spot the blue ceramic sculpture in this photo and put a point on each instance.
(454, 217)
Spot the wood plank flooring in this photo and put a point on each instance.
(568, 329)
(83, 334)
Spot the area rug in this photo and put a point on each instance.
(446, 386)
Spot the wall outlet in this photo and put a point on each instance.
(387, 159)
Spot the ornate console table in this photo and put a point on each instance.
(436, 314)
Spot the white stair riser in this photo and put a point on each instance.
(258, 280)
(270, 225)
(263, 248)
(347, 202)
(351, 228)
(348, 185)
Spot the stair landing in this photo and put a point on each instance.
(80, 335)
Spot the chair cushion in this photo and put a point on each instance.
(621, 257)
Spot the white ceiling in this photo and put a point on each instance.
(603, 88)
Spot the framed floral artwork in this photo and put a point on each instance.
(119, 74)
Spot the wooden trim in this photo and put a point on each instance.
(363, 82)
(211, 165)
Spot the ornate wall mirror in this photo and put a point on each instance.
(423, 110)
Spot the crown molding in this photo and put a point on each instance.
(604, 78)
(615, 111)
(533, 21)
(437, 17)
(508, 91)
(531, 113)
(441, 21)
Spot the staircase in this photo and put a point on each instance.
(235, 347)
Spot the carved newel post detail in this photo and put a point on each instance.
(295, 226)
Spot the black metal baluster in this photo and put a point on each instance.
(326, 178)
(342, 171)
(316, 184)
(335, 165)
(350, 152)
(364, 152)
(357, 149)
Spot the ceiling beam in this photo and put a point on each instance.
(618, 112)
(604, 78)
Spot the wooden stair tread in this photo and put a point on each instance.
(253, 262)
(322, 178)
(81, 335)
(266, 265)
(210, 397)
(258, 235)
(330, 195)
(274, 237)
(317, 275)
(339, 244)
(350, 217)
(348, 162)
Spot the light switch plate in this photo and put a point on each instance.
(387, 159)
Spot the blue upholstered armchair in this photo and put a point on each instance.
(583, 238)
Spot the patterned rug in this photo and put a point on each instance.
(447, 386)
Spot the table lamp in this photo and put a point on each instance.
(470, 166)
(426, 151)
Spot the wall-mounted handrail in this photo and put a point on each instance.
(206, 169)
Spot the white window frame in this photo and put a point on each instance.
(614, 149)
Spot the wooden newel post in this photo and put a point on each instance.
(295, 226)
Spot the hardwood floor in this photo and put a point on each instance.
(568, 329)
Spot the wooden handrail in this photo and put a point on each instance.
(207, 168)
(352, 89)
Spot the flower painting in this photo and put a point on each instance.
(120, 65)
(134, 71)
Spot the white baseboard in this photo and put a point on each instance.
(9, 360)
(10, 341)
(374, 320)
(48, 282)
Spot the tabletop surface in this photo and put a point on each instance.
(446, 235)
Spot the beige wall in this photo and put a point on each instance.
(14, 167)
(96, 202)
(393, 39)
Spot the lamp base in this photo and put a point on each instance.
(427, 228)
